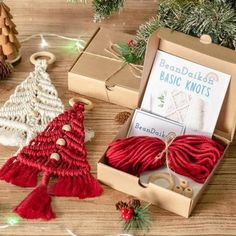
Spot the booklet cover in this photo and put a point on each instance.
(147, 124)
(185, 92)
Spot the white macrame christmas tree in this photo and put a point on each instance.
(33, 105)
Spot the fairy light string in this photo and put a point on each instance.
(10, 220)
(79, 43)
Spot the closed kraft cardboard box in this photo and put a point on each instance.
(209, 55)
(99, 72)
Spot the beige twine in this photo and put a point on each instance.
(136, 70)
(167, 141)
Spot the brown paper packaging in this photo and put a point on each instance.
(99, 74)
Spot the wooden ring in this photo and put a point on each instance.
(51, 56)
(88, 104)
(165, 176)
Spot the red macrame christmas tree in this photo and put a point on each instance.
(57, 151)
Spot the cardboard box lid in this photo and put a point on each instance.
(210, 55)
(95, 62)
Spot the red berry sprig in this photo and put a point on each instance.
(127, 213)
(135, 216)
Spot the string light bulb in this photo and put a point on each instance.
(79, 45)
(12, 220)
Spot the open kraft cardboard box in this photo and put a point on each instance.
(192, 49)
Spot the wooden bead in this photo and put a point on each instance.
(178, 189)
(66, 127)
(184, 184)
(55, 156)
(35, 87)
(35, 100)
(34, 113)
(188, 192)
(61, 142)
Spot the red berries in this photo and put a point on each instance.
(127, 213)
(131, 43)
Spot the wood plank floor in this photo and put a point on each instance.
(216, 212)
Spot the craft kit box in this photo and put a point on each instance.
(198, 51)
(101, 73)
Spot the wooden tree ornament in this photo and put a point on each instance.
(9, 44)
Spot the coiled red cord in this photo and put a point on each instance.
(192, 156)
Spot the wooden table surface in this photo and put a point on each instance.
(216, 212)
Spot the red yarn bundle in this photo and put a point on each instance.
(188, 155)
(58, 151)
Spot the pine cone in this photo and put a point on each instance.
(5, 69)
(120, 205)
(134, 203)
(122, 117)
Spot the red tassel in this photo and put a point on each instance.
(18, 174)
(37, 205)
(76, 186)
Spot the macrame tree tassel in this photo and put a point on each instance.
(17, 173)
(76, 186)
(37, 205)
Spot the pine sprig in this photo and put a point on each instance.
(140, 220)
(126, 52)
(134, 215)
(104, 8)
(143, 35)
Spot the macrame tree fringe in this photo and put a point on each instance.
(16, 173)
(76, 186)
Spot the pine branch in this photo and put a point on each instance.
(104, 8)
(195, 17)
(139, 221)
(143, 35)
(127, 54)
(135, 216)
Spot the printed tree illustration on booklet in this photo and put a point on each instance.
(9, 44)
(33, 105)
(58, 151)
